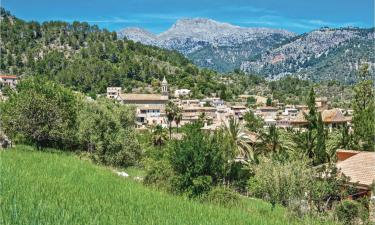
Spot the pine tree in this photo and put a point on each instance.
(269, 102)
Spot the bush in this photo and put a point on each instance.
(41, 113)
(106, 130)
(222, 196)
(347, 211)
(279, 182)
(201, 185)
(198, 161)
(158, 174)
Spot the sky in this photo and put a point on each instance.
(158, 15)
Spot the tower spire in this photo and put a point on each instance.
(164, 87)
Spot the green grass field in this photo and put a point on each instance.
(59, 188)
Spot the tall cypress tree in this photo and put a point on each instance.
(320, 152)
(311, 117)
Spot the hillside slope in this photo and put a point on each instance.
(58, 188)
(324, 54)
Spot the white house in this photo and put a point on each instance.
(181, 92)
(9, 80)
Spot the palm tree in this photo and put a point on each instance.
(178, 117)
(271, 141)
(238, 139)
(158, 135)
(170, 110)
(202, 117)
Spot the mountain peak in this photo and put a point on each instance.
(201, 22)
(138, 34)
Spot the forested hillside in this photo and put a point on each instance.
(89, 59)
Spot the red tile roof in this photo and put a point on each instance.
(333, 116)
(8, 76)
(143, 97)
(359, 168)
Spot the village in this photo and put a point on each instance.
(150, 109)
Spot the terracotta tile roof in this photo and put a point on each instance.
(267, 108)
(328, 116)
(140, 97)
(300, 118)
(302, 106)
(238, 107)
(186, 108)
(343, 154)
(321, 99)
(8, 76)
(190, 114)
(150, 107)
(209, 109)
(333, 115)
(348, 151)
(359, 168)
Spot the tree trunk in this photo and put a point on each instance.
(170, 131)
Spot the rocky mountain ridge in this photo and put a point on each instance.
(193, 37)
(270, 52)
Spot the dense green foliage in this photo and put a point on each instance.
(364, 110)
(46, 114)
(56, 188)
(195, 163)
(89, 59)
(198, 161)
(281, 183)
(348, 211)
(106, 129)
(41, 112)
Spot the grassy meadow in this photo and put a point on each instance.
(59, 188)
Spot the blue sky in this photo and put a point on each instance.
(158, 15)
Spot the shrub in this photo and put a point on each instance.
(198, 161)
(106, 130)
(222, 196)
(158, 174)
(201, 185)
(42, 113)
(279, 182)
(347, 211)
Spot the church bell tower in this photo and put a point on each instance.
(164, 87)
